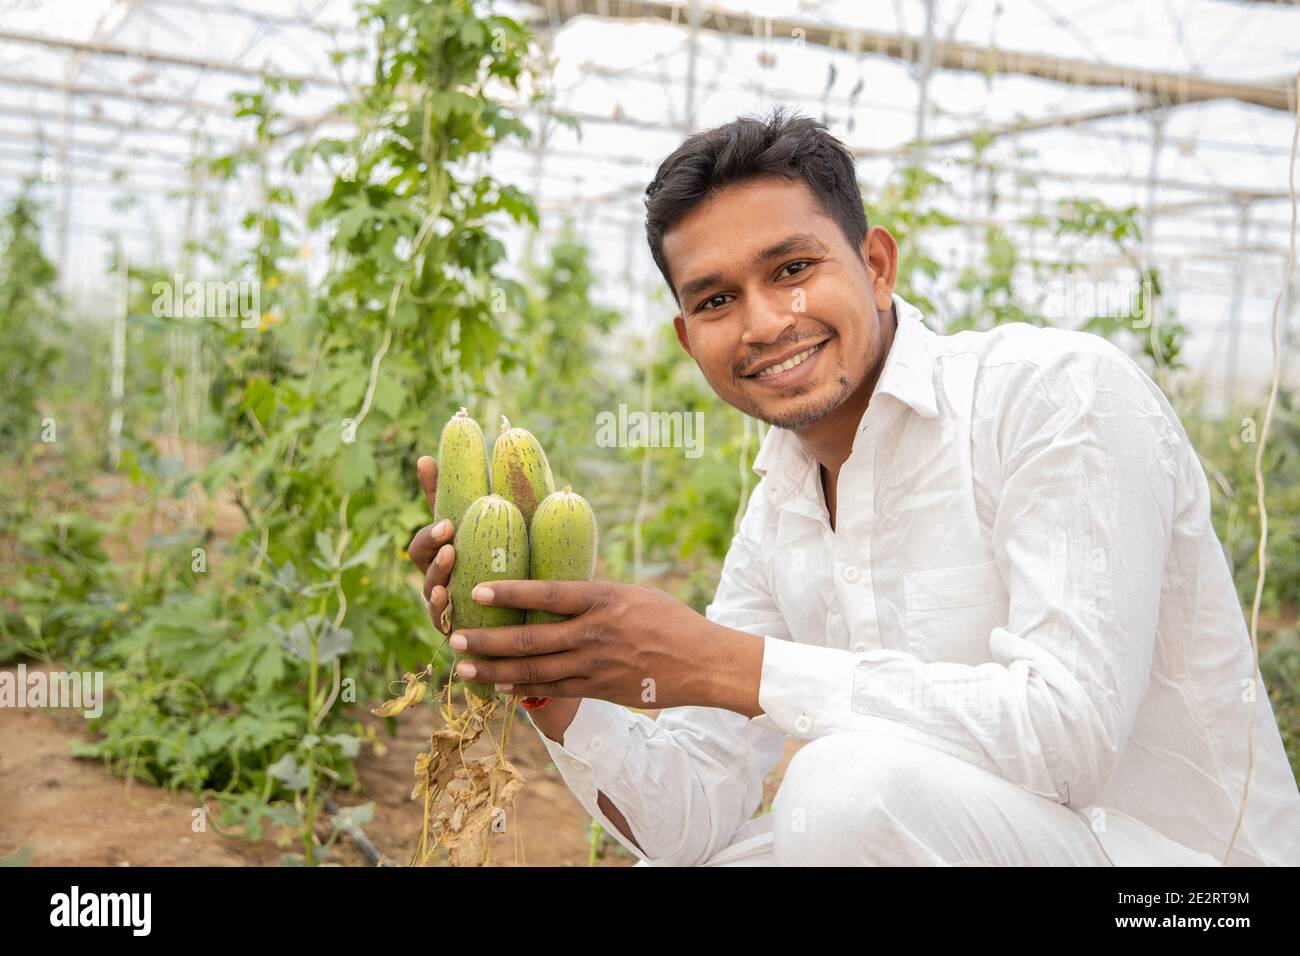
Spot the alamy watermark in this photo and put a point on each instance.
(84, 692)
(209, 299)
(1069, 297)
(130, 910)
(639, 429)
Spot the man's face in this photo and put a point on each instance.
(764, 279)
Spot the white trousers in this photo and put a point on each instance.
(864, 799)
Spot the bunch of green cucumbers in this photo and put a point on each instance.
(510, 523)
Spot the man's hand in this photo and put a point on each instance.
(431, 548)
(629, 644)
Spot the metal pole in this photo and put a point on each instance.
(1153, 180)
(692, 55)
(118, 386)
(1151, 316)
(923, 80)
(1238, 300)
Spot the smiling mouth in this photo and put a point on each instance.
(794, 361)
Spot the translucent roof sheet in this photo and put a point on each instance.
(105, 98)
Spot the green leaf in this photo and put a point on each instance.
(348, 745)
(289, 772)
(260, 398)
(357, 467)
(324, 549)
(331, 641)
(390, 396)
(356, 217)
(350, 819)
(472, 33)
(268, 669)
(367, 552)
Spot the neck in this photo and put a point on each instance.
(830, 439)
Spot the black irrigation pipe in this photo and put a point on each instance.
(358, 836)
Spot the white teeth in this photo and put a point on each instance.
(789, 363)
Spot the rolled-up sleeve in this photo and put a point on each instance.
(688, 780)
(1081, 535)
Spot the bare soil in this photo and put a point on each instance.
(74, 812)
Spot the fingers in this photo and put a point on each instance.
(548, 669)
(518, 640)
(426, 543)
(558, 597)
(430, 538)
(438, 607)
(439, 572)
(428, 471)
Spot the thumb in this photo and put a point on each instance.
(428, 471)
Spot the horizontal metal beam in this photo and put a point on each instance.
(98, 150)
(105, 92)
(254, 16)
(1170, 89)
(1060, 120)
(120, 125)
(164, 59)
(225, 110)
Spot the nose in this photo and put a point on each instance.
(766, 318)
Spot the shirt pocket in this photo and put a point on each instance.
(949, 613)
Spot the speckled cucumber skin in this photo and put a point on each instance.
(561, 544)
(462, 468)
(490, 523)
(520, 471)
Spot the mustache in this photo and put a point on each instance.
(748, 366)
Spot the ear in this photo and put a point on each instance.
(679, 326)
(880, 252)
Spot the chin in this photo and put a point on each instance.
(801, 411)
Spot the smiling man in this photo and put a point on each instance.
(978, 578)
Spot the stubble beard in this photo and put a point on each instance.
(804, 417)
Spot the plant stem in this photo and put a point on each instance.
(596, 831)
(309, 813)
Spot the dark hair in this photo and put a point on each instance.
(795, 147)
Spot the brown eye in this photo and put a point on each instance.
(800, 262)
(705, 303)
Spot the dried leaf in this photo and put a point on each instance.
(414, 693)
(462, 797)
(421, 776)
(492, 787)
(434, 770)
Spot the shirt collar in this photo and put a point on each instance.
(908, 376)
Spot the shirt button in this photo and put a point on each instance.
(850, 573)
(595, 745)
(859, 646)
(575, 764)
(803, 723)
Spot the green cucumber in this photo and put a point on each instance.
(520, 472)
(462, 468)
(561, 544)
(491, 545)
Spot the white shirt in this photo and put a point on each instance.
(1023, 574)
